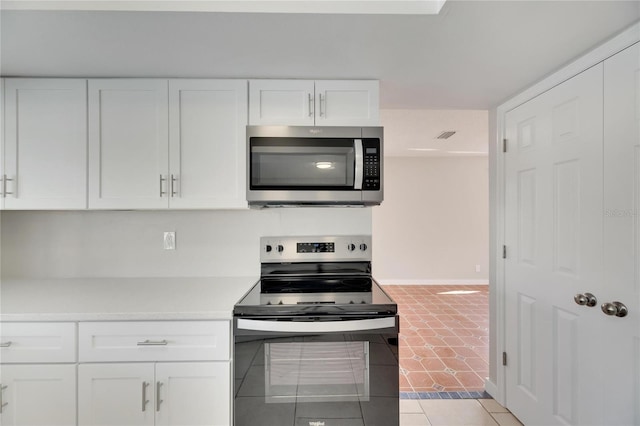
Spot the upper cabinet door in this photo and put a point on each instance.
(128, 144)
(281, 102)
(207, 128)
(46, 144)
(1, 143)
(347, 103)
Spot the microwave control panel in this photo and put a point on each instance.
(371, 178)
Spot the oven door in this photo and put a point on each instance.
(310, 372)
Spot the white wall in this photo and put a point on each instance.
(129, 243)
(433, 226)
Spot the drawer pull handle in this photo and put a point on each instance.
(153, 343)
(2, 403)
(5, 344)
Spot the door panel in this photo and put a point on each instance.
(553, 236)
(621, 336)
(128, 144)
(207, 130)
(113, 394)
(193, 394)
(46, 144)
(39, 395)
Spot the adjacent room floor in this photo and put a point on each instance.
(444, 338)
(476, 412)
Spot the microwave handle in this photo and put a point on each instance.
(357, 180)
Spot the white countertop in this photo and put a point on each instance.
(111, 299)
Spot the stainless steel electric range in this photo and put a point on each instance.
(316, 339)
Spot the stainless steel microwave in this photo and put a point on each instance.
(331, 166)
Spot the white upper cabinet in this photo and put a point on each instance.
(347, 103)
(1, 143)
(45, 161)
(207, 128)
(309, 103)
(281, 102)
(128, 144)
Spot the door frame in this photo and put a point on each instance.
(495, 384)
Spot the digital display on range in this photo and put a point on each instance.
(316, 247)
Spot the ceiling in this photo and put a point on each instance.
(472, 56)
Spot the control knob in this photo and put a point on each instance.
(268, 248)
(363, 247)
(351, 247)
(280, 248)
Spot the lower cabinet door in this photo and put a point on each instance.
(191, 394)
(116, 394)
(43, 395)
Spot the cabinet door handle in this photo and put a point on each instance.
(321, 100)
(6, 344)
(144, 396)
(158, 400)
(174, 185)
(310, 105)
(4, 186)
(153, 343)
(162, 191)
(2, 403)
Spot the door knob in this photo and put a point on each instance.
(587, 299)
(615, 308)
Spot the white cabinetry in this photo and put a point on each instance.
(128, 144)
(308, 102)
(207, 121)
(157, 144)
(40, 394)
(45, 161)
(155, 389)
(33, 390)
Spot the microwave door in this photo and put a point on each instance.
(305, 166)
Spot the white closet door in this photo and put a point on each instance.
(553, 235)
(620, 336)
(207, 140)
(128, 144)
(46, 143)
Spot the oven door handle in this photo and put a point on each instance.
(316, 326)
(359, 160)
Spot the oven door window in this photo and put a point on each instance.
(302, 164)
(316, 371)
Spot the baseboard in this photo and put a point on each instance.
(433, 282)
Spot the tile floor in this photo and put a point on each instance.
(475, 412)
(444, 338)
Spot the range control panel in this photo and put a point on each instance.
(315, 249)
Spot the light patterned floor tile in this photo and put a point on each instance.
(410, 406)
(492, 406)
(506, 419)
(461, 412)
(411, 419)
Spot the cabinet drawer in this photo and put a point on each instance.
(37, 342)
(154, 341)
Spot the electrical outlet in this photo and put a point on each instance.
(170, 240)
(477, 268)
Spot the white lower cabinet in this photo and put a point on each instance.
(177, 394)
(35, 394)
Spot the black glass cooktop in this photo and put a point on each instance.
(315, 296)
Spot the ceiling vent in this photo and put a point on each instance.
(446, 135)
